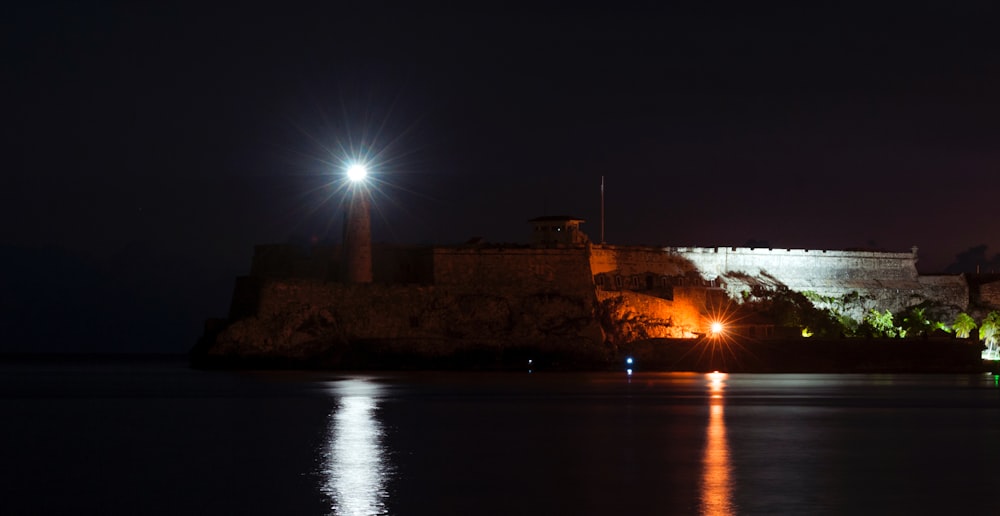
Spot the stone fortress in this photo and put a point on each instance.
(560, 292)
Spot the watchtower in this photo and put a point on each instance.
(557, 230)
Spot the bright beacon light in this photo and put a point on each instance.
(357, 172)
(716, 328)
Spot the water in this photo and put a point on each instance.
(153, 437)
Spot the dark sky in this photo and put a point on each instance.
(148, 147)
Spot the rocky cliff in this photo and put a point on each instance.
(339, 325)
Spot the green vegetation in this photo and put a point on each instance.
(841, 307)
(882, 325)
(963, 325)
(792, 309)
(917, 322)
(829, 316)
(989, 330)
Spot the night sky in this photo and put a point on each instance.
(148, 147)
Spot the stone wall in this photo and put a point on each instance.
(646, 269)
(630, 316)
(801, 265)
(402, 265)
(629, 261)
(984, 291)
(439, 300)
(301, 318)
(989, 294)
(564, 270)
(889, 281)
(950, 290)
(390, 263)
(296, 261)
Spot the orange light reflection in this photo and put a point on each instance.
(716, 488)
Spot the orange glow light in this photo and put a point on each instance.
(716, 482)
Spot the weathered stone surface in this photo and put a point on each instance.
(888, 280)
(630, 316)
(989, 294)
(301, 318)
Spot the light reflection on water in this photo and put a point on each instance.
(355, 472)
(716, 485)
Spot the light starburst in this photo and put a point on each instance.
(720, 346)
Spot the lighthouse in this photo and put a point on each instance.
(357, 228)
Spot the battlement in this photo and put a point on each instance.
(803, 264)
(889, 277)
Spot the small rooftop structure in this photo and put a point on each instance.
(557, 229)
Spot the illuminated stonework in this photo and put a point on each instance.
(572, 294)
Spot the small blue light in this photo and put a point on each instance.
(628, 360)
(530, 360)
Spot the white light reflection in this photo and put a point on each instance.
(355, 473)
(716, 486)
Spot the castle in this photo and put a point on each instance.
(560, 292)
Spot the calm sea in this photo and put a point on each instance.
(154, 437)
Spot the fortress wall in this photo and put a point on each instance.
(398, 264)
(297, 317)
(565, 270)
(492, 286)
(989, 294)
(790, 265)
(892, 299)
(639, 316)
(390, 263)
(295, 261)
(628, 261)
(436, 301)
(951, 290)
(889, 280)
(365, 311)
(705, 300)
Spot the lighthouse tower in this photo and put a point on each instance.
(357, 228)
